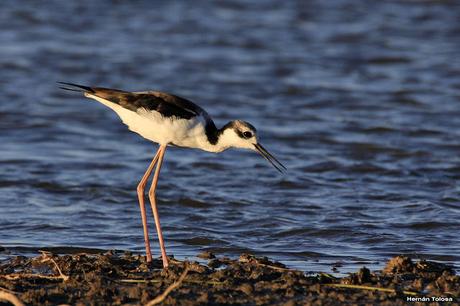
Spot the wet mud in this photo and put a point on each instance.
(116, 278)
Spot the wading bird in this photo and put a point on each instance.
(170, 120)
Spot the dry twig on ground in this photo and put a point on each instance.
(9, 297)
(47, 257)
(168, 290)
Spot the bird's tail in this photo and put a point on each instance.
(109, 95)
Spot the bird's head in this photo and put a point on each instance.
(241, 134)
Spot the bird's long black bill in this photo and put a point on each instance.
(75, 87)
(271, 159)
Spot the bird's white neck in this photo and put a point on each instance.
(224, 142)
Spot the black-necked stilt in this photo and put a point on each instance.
(171, 120)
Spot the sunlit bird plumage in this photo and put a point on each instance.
(169, 120)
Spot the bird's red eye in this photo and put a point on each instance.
(247, 134)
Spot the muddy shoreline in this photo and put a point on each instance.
(117, 278)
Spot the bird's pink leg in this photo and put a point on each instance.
(154, 205)
(140, 195)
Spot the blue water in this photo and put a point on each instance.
(359, 99)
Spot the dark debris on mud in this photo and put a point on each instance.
(126, 279)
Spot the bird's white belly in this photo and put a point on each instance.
(162, 130)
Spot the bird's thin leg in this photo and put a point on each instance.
(154, 205)
(140, 195)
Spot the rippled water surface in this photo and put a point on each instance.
(360, 101)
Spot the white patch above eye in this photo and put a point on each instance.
(231, 138)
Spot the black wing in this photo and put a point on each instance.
(166, 104)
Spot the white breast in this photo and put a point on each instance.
(162, 130)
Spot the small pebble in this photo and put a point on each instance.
(206, 255)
